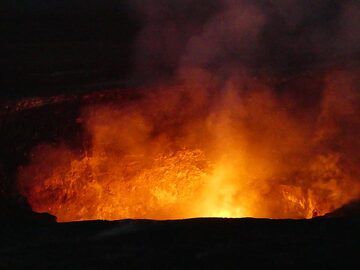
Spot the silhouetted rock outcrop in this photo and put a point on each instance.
(351, 209)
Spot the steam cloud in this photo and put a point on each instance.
(296, 149)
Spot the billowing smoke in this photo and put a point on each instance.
(221, 131)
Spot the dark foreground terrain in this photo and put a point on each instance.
(320, 243)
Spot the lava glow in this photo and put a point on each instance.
(200, 150)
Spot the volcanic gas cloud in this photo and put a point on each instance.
(221, 137)
(201, 150)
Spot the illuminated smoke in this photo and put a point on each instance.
(215, 136)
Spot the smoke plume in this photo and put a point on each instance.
(219, 132)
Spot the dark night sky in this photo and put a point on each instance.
(51, 47)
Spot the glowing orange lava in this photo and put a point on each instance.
(198, 151)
